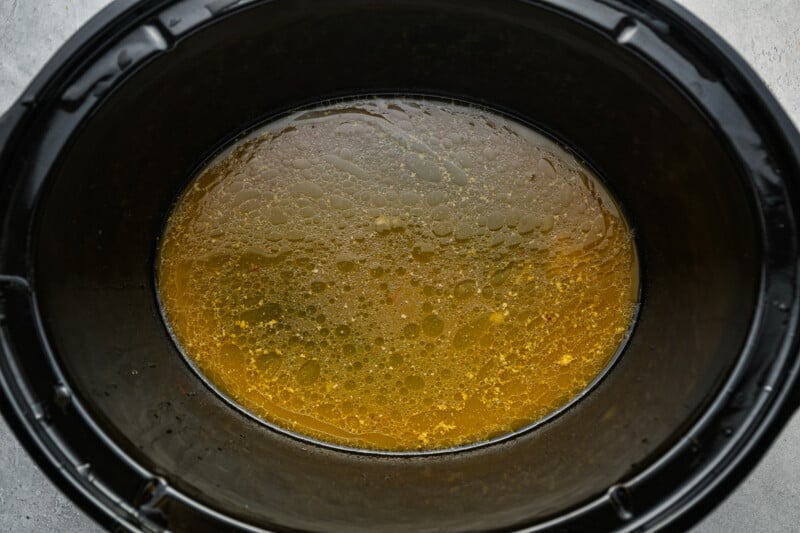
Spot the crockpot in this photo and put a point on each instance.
(693, 146)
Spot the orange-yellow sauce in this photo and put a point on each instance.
(398, 274)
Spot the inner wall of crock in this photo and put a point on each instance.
(102, 215)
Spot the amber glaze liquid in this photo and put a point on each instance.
(398, 274)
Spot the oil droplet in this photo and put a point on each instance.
(435, 198)
(269, 363)
(501, 276)
(547, 170)
(409, 198)
(423, 251)
(348, 350)
(338, 202)
(432, 326)
(414, 383)
(411, 331)
(463, 232)
(496, 220)
(300, 163)
(318, 286)
(545, 223)
(306, 188)
(442, 229)
(308, 373)
(345, 263)
(464, 289)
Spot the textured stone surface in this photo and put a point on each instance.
(765, 32)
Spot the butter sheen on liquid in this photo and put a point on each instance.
(398, 274)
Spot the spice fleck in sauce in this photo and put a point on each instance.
(398, 274)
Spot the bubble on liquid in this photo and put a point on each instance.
(378, 200)
(545, 223)
(496, 220)
(308, 373)
(441, 213)
(463, 232)
(318, 286)
(512, 217)
(442, 229)
(409, 198)
(345, 262)
(470, 333)
(432, 326)
(306, 188)
(269, 363)
(307, 211)
(423, 168)
(464, 289)
(566, 197)
(499, 277)
(414, 383)
(348, 350)
(411, 331)
(528, 223)
(490, 153)
(295, 235)
(513, 240)
(300, 163)
(341, 203)
(457, 175)
(496, 240)
(278, 217)
(435, 198)
(423, 251)
(546, 169)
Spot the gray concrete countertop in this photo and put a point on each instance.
(765, 32)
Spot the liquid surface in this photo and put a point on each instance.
(398, 274)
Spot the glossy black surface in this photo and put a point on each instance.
(702, 161)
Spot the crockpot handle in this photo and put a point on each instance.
(5, 130)
(7, 120)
